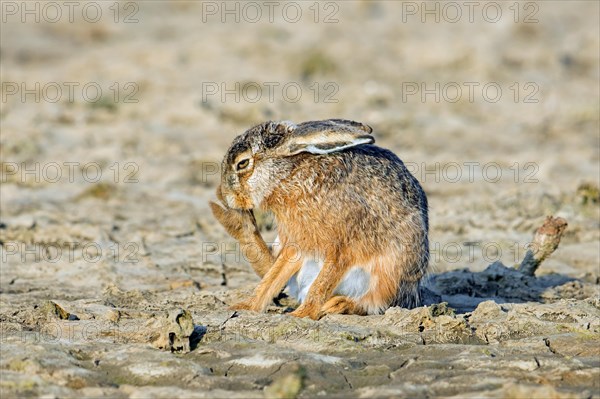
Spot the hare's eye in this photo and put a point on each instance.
(243, 164)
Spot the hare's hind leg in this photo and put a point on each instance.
(342, 305)
(397, 276)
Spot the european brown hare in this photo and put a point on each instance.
(352, 221)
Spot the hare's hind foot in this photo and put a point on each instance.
(342, 305)
(337, 305)
(307, 309)
(247, 304)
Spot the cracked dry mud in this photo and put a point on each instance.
(148, 315)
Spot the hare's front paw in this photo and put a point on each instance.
(311, 310)
(248, 304)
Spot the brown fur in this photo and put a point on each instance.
(342, 305)
(241, 225)
(356, 206)
(285, 266)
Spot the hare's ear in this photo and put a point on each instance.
(324, 137)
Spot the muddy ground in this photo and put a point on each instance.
(116, 279)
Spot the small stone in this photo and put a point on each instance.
(172, 331)
(440, 309)
(55, 310)
(287, 386)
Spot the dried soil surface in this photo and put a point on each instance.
(119, 286)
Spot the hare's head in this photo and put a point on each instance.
(263, 156)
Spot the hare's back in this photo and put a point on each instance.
(381, 177)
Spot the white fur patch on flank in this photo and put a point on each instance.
(355, 283)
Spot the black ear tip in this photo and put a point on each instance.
(360, 126)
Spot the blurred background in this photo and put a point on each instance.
(115, 117)
(493, 106)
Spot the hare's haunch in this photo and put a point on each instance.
(352, 221)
